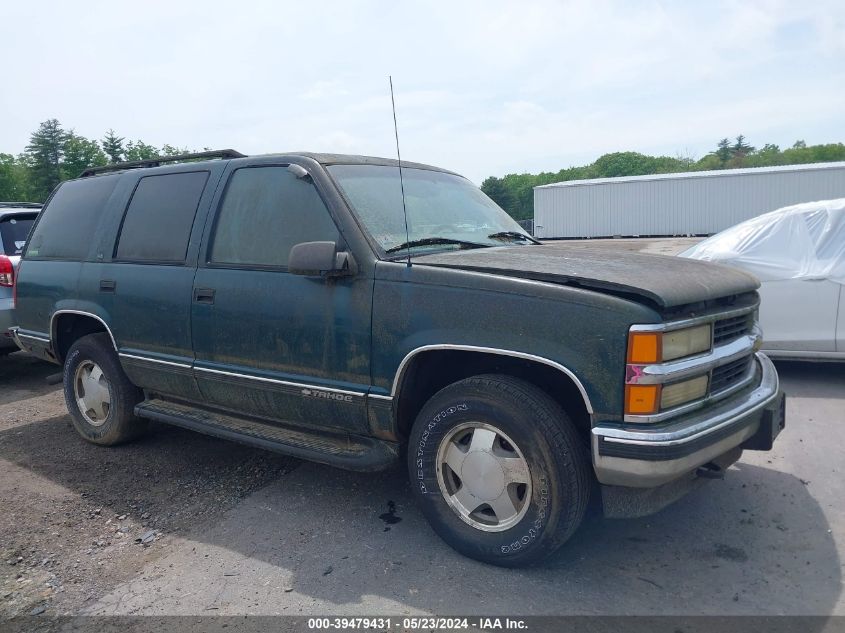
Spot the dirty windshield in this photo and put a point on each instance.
(444, 211)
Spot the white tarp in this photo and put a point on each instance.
(804, 241)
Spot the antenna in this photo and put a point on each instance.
(401, 181)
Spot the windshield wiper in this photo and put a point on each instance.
(513, 234)
(426, 241)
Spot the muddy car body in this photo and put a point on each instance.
(287, 302)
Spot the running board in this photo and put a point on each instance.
(351, 452)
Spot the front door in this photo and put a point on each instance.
(269, 343)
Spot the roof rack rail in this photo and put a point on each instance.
(20, 205)
(158, 160)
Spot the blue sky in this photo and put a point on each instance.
(484, 88)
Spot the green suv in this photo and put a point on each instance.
(287, 302)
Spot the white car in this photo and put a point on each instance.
(16, 218)
(798, 253)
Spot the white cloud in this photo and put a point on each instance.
(324, 90)
(482, 87)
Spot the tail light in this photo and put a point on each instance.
(7, 272)
(15, 286)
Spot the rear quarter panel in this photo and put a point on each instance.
(44, 286)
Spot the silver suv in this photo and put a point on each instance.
(16, 219)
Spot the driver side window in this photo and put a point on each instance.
(265, 212)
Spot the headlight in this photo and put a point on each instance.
(682, 392)
(649, 348)
(651, 399)
(655, 347)
(686, 342)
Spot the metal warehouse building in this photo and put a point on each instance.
(691, 203)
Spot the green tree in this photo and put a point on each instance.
(138, 150)
(801, 154)
(499, 193)
(741, 149)
(44, 155)
(14, 179)
(171, 150)
(80, 154)
(769, 155)
(723, 153)
(635, 164)
(521, 187)
(620, 164)
(708, 162)
(113, 146)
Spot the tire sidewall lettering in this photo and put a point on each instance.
(424, 442)
(516, 539)
(71, 363)
(542, 502)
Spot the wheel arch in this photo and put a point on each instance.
(427, 369)
(68, 326)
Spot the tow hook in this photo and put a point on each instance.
(710, 470)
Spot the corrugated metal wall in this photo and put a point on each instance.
(676, 206)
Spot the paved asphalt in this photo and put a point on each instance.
(769, 539)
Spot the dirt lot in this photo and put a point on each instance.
(73, 513)
(178, 523)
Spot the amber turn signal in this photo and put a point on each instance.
(644, 347)
(642, 399)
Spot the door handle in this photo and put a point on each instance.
(108, 285)
(204, 295)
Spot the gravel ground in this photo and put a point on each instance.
(77, 518)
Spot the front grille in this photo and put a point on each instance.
(727, 375)
(730, 329)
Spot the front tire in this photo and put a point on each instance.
(99, 396)
(499, 470)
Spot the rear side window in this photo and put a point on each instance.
(158, 221)
(69, 221)
(265, 212)
(13, 232)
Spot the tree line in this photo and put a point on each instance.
(55, 154)
(515, 192)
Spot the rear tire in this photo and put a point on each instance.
(499, 470)
(99, 396)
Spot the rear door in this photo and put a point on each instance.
(269, 343)
(146, 285)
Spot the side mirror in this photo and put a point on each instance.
(320, 259)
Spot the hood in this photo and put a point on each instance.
(667, 281)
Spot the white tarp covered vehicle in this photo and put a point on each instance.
(798, 253)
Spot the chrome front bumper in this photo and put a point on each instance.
(643, 456)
